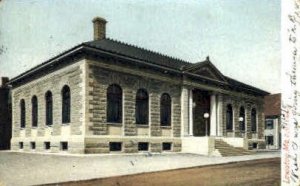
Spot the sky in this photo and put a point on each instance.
(241, 37)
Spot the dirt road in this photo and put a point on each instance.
(256, 172)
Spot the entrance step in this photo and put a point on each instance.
(228, 150)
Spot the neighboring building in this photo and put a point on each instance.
(272, 116)
(5, 114)
(107, 96)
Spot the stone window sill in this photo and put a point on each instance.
(34, 127)
(142, 125)
(116, 152)
(65, 124)
(23, 128)
(115, 124)
(166, 127)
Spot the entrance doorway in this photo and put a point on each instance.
(201, 105)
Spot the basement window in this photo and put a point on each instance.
(32, 145)
(64, 146)
(21, 145)
(143, 146)
(47, 145)
(115, 146)
(166, 146)
(254, 145)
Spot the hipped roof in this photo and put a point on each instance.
(114, 47)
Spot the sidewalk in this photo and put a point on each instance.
(31, 169)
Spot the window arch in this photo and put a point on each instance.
(34, 111)
(242, 115)
(49, 106)
(165, 110)
(23, 113)
(141, 107)
(66, 104)
(114, 104)
(253, 120)
(229, 118)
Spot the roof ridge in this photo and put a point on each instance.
(149, 50)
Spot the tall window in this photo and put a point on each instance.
(66, 104)
(114, 104)
(242, 115)
(269, 140)
(49, 104)
(23, 113)
(229, 116)
(141, 107)
(253, 120)
(165, 110)
(34, 111)
(269, 123)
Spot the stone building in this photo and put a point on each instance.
(5, 114)
(272, 111)
(106, 96)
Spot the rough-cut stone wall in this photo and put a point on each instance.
(99, 79)
(248, 104)
(54, 82)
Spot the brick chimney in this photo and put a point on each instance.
(99, 28)
(3, 82)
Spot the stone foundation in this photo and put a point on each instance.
(130, 145)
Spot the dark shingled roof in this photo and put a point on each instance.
(237, 84)
(132, 51)
(272, 105)
(117, 47)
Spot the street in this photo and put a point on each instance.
(256, 172)
(17, 168)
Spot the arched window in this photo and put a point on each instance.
(114, 104)
(23, 113)
(49, 104)
(34, 111)
(242, 119)
(66, 104)
(141, 107)
(253, 120)
(229, 116)
(165, 110)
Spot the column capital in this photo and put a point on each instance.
(189, 87)
(214, 93)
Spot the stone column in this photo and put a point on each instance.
(191, 132)
(184, 111)
(213, 115)
(220, 115)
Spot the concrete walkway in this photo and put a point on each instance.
(32, 169)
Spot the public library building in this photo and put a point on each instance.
(105, 96)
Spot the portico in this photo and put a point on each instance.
(195, 104)
(212, 117)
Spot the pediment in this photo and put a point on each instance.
(206, 69)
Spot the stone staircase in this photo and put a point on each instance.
(228, 150)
